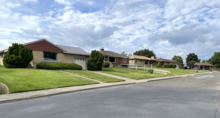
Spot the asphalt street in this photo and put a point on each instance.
(187, 97)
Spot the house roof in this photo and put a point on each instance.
(140, 57)
(74, 50)
(113, 54)
(66, 49)
(166, 60)
(205, 64)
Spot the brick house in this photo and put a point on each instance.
(114, 58)
(142, 60)
(167, 61)
(204, 66)
(46, 51)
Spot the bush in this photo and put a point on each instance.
(17, 56)
(169, 66)
(151, 71)
(115, 66)
(158, 65)
(207, 69)
(57, 66)
(106, 64)
(95, 61)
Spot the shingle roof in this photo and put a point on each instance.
(113, 54)
(205, 64)
(140, 57)
(166, 60)
(74, 50)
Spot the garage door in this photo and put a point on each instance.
(81, 61)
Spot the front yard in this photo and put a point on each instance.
(20, 80)
(141, 74)
(95, 76)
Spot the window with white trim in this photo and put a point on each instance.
(124, 60)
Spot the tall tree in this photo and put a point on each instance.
(178, 59)
(123, 53)
(203, 61)
(215, 59)
(206, 61)
(145, 52)
(192, 57)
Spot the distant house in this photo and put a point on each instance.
(142, 60)
(46, 51)
(115, 58)
(167, 61)
(204, 66)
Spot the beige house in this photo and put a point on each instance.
(204, 66)
(142, 60)
(167, 62)
(45, 51)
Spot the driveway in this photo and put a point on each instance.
(188, 97)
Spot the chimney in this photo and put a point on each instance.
(102, 49)
(152, 57)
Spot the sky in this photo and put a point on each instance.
(168, 27)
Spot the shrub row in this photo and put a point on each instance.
(169, 66)
(57, 66)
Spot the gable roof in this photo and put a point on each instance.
(205, 64)
(113, 54)
(140, 57)
(74, 50)
(166, 60)
(65, 49)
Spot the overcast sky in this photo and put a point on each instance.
(168, 27)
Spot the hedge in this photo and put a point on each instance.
(169, 66)
(57, 66)
(106, 64)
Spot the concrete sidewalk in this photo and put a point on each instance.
(48, 92)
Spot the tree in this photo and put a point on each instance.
(123, 53)
(206, 61)
(192, 57)
(191, 64)
(17, 56)
(215, 59)
(158, 65)
(178, 59)
(203, 61)
(145, 52)
(95, 61)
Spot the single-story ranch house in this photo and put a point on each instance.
(203, 66)
(44, 50)
(167, 61)
(114, 58)
(142, 60)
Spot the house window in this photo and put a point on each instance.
(167, 63)
(135, 61)
(50, 56)
(124, 60)
(146, 61)
(140, 60)
(112, 59)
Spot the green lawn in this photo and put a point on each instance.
(20, 80)
(95, 76)
(141, 74)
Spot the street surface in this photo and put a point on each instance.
(188, 97)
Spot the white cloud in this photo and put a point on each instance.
(167, 27)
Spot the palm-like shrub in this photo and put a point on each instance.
(17, 56)
(95, 61)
